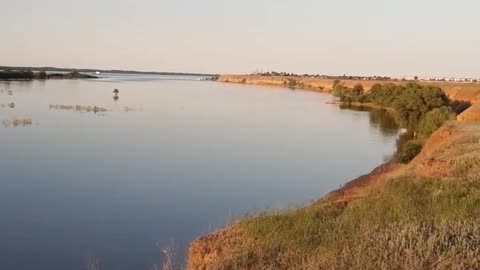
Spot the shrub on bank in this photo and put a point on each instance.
(433, 120)
(421, 109)
(415, 102)
(408, 151)
(349, 95)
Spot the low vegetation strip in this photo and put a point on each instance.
(78, 108)
(17, 121)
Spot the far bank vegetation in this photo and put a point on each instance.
(420, 109)
(28, 75)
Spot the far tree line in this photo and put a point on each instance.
(26, 75)
(343, 77)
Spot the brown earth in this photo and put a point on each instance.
(472, 114)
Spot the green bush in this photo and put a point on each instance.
(409, 151)
(415, 101)
(385, 94)
(358, 90)
(433, 120)
(349, 95)
(340, 90)
(421, 109)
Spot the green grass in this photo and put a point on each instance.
(409, 224)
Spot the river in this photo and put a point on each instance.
(170, 159)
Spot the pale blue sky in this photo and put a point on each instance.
(395, 37)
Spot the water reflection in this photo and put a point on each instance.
(385, 121)
(382, 119)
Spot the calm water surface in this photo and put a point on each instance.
(184, 158)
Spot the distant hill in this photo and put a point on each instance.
(103, 71)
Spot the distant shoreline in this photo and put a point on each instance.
(29, 75)
(460, 91)
(468, 92)
(117, 71)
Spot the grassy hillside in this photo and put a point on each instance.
(411, 223)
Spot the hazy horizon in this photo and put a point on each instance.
(398, 38)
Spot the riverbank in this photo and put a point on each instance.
(306, 83)
(396, 217)
(459, 92)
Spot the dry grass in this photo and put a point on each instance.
(429, 246)
(168, 254)
(464, 153)
(410, 224)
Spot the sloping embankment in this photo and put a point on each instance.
(424, 215)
